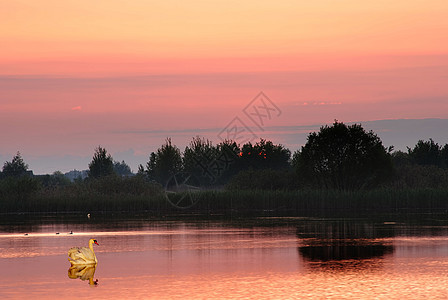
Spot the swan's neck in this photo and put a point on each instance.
(91, 246)
(91, 249)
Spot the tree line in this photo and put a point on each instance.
(337, 157)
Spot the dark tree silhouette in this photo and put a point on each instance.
(198, 159)
(141, 171)
(18, 183)
(400, 158)
(101, 164)
(444, 155)
(16, 167)
(122, 169)
(426, 153)
(265, 155)
(164, 163)
(227, 160)
(343, 157)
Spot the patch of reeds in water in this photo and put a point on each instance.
(323, 200)
(79, 199)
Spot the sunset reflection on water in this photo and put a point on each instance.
(306, 259)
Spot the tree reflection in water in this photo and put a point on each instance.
(344, 244)
(83, 272)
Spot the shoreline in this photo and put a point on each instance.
(225, 202)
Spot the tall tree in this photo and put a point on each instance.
(164, 163)
(18, 184)
(199, 159)
(16, 167)
(101, 164)
(343, 157)
(227, 160)
(426, 153)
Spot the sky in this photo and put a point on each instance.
(128, 74)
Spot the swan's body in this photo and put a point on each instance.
(83, 255)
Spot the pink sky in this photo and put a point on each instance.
(76, 74)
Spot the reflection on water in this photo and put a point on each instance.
(340, 252)
(343, 244)
(246, 258)
(83, 272)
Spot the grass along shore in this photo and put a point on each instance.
(222, 201)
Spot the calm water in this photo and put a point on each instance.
(258, 258)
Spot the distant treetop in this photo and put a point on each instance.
(102, 164)
(16, 167)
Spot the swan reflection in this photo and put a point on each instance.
(83, 272)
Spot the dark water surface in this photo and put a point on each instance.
(256, 258)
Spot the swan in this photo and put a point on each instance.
(83, 272)
(83, 255)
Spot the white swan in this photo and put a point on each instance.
(83, 255)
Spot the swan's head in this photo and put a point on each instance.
(93, 241)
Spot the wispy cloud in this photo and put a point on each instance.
(306, 103)
(77, 108)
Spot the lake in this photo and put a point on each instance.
(270, 257)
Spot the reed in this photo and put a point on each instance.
(323, 200)
(86, 198)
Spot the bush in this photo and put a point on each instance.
(412, 176)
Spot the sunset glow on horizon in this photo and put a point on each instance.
(76, 74)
